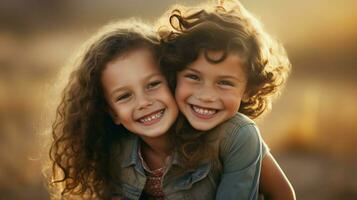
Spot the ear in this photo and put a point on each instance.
(114, 116)
(245, 97)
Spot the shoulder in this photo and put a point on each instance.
(241, 126)
(124, 146)
(237, 126)
(240, 134)
(244, 127)
(239, 119)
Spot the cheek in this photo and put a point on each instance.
(168, 97)
(232, 102)
(123, 113)
(179, 96)
(165, 95)
(183, 91)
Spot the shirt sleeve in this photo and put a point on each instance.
(265, 149)
(241, 156)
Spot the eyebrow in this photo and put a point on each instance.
(196, 71)
(231, 77)
(224, 76)
(116, 90)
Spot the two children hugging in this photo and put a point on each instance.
(168, 115)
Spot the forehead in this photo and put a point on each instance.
(128, 69)
(232, 65)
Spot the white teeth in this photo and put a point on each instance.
(203, 111)
(152, 117)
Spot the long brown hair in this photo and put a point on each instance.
(83, 131)
(229, 28)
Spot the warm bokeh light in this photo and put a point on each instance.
(312, 129)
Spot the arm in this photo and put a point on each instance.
(241, 156)
(273, 183)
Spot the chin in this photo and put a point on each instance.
(155, 134)
(201, 127)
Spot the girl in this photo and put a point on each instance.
(112, 136)
(104, 94)
(219, 62)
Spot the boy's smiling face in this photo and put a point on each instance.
(209, 94)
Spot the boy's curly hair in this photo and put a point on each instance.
(83, 131)
(231, 29)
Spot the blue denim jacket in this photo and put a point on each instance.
(240, 153)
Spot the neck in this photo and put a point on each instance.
(158, 145)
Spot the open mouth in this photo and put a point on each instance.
(152, 118)
(204, 113)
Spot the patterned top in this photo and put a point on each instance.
(153, 189)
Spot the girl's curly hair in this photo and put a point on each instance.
(83, 131)
(231, 29)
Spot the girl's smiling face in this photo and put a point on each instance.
(138, 94)
(209, 94)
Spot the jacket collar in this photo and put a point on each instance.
(130, 155)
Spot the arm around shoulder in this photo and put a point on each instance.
(273, 183)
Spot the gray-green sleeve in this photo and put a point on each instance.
(265, 148)
(241, 156)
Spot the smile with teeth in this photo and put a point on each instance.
(152, 118)
(203, 112)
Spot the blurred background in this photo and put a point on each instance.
(311, 129)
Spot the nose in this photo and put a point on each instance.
(206, 94)
(144, 101)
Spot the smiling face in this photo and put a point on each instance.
(138, 95)
(209, 94)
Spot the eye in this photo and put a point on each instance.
(192, 77)
(123, 97)
(225, 83)
(153, 84)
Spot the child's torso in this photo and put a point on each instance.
(130, 182)
(201, 183)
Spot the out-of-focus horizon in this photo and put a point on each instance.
(311, 129)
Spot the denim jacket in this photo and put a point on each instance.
(240, 154)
